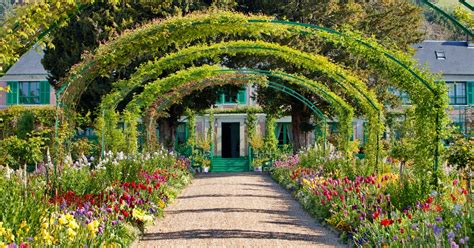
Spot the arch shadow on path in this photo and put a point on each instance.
(233, 234)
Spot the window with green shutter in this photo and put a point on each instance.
(12, 95)
(470, 92)
(28, 93)
(239, 97)
(457, 93)
(242, 96)
(44, 92)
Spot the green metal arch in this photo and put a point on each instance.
(300, 81)
(450, 18)
(279, 87)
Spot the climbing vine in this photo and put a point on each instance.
(155, 38)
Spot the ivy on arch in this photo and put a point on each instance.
(399, 67)
(430, 109)
(188, 79)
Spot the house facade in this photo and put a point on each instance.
(454, 61)
(28, 82)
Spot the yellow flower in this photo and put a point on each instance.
(93, 227)
(23, 224)
(71, 233)
(140, 215)
(62, 220)
(9, 235)
(69, 217)
(45, 225)
(73, 224)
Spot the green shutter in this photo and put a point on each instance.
(44, 92)
(242, 97)
(12, 95)
(470, 92)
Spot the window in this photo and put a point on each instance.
(283, 133)
(440, 55)
(182, 133)
(457, 93)
(402, 94)
(28, 93)
(239, 97)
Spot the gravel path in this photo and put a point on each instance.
(236, 210)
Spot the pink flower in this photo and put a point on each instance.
(455, 182)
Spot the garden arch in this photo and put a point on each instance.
(428, 98)
(343, 78)
(343, 110)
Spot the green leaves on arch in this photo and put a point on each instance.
(313, 63)
(200, 77)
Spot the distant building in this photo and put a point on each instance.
(454, 60)
(28, 82)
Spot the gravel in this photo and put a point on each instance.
(236, 210)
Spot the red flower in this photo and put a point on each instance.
(386, 222)
(375, 215)
(453, 198)
(399, 220)
(410, 216)
(323, 202)
(429, 200)
(402, 230)
(125, 213)
(342, 198)
(464, 191)
(438, 208)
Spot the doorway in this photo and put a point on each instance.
(231, 140)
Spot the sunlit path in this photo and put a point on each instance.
(236, 210)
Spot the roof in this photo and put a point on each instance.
(28, 67)
(453, 59)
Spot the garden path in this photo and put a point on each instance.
(236, 210)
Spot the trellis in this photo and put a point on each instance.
(429, 99)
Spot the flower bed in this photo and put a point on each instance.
(107, 205)
(363, 210)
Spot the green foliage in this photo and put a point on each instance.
(16, 152)
(83, 147)
(461, 153)
(110, 135)
(270, 142)
(250, 123)
(43, 119)
(130, 132)
(465, 17)
(26, 124)
(408, 191)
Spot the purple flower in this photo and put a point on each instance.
(450, 235)
(354, 207)
(458, 226)
(453, 244)
(120, 217)
(114, 222)
(437, 230)
(462, 241)
(395, 237)
(414, 226)
(439, 219)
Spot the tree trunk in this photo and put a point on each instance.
(167, 133)
(299, 116)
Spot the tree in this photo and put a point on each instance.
(99, 22)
